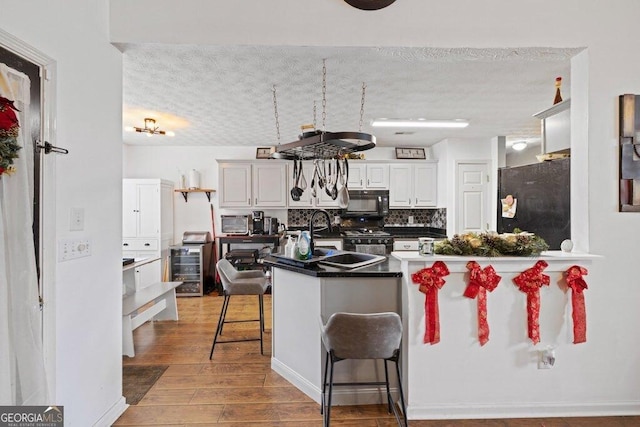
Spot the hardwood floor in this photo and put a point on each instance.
(238, 387)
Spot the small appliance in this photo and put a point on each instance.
(271, 225)
(235, 225)
(258, 222)
(367, 203)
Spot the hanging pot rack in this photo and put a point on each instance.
(320, 144)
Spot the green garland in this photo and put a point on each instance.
(492, 244)
(8, 152)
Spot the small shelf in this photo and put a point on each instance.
(186, 191)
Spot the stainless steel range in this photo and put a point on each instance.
(369, 241)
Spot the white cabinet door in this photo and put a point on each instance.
(400, 185)
(357, 176)
(425, 184)
(269, 182)
(148, 274)
(234, 180)
(140, 210)
(378, 176)
(324, 200)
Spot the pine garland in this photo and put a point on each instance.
(492, 244)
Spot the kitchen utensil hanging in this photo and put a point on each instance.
(319, 144)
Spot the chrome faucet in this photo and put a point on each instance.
(313, 215)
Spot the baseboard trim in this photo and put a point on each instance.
(113, 413)
(341, 395)
(542, 410)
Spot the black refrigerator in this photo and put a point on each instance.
(540, 200)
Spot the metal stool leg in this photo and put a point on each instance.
(324, 383)
(223, 312)
(386, 380)
(261, 309)
(328, 411)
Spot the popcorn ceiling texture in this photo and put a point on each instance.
(222, 95)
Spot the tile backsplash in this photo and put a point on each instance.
(436, 218)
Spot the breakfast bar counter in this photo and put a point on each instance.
(304, 297)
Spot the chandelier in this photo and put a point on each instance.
(150, 129)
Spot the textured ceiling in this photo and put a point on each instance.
(222, 95)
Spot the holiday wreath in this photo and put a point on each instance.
(492, 244)
(9, 127)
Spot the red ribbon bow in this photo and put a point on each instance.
(481, 281)
(579, 314)
(430, 281)
(530, 281)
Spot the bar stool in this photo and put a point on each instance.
(236, 282)
(362, 336)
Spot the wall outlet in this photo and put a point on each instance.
(69, 249)
(546, 358)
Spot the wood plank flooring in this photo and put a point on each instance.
(238, 387)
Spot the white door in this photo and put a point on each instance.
(306, 201)
(400, 185)
(148, 196)
(472, 197)
(129, 210)
(357, 176)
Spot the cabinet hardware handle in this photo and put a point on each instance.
(368, 182)
(361, 183)
(416, 200)
(125, 244)
(249, 202)
(147, 244)
(256, 201)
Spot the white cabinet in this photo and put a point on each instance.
(307, 201)
(147, 217)
(413, 185)
(368, 176)
(253, 184)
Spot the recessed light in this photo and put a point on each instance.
(419, 123)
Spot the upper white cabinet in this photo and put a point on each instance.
(556, 127)
(413, 185)
(252, 184)
(368, 176)
(147, 217)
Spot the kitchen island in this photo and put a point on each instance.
(303, 297)
(450, 378)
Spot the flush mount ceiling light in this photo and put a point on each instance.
(149, 129)
(519, 146)
(419, 123)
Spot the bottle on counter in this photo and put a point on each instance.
(288, 248)
(304, 243)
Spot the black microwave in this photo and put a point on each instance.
(367, 203)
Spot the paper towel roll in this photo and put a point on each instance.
(194, 179)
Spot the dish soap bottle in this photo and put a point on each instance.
(304, 243)
(288, 248)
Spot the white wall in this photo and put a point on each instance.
(601, 375)
(87, 291)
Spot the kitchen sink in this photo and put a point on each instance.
(351, 260)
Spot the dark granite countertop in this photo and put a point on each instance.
(388, 268)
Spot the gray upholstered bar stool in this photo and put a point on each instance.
(362, 336)
(234, 282)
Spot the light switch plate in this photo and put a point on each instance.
(69, 249)
(76, 219)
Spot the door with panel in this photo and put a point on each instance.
(401, 186)
(472, 197)
(235, 182)
(425, 185)
(269, 182)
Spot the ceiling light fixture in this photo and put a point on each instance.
(419, 123)
(519, 146)
(149, 129)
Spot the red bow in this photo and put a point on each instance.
(8, 121)
(481, 281)
(430, 281)
(578, 285)
(530, 281)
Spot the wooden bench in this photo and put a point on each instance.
(164, 307)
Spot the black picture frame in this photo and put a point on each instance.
(264, 152)
(414, 153)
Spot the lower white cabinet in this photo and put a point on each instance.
(413, 185)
